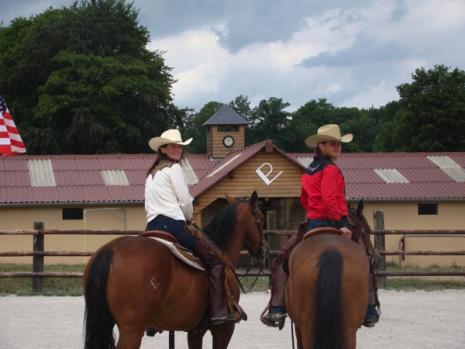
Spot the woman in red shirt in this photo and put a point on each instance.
(324, 200)
(323, 188)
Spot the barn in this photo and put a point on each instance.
(413, 190)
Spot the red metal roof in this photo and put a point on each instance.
(79, 181)
(426, 181)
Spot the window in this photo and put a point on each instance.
(72, 213)
(427, 209)
(228, 128)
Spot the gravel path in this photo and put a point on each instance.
(410, 320)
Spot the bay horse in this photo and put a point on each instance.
(136, 283)
(327, 287)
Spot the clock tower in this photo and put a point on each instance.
(225, 132)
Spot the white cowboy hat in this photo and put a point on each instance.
(168, 137)
(330, 132)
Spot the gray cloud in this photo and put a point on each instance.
(356, 52)
(10, 10)
(246, 21)
(365, 50)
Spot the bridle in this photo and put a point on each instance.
(263, 252)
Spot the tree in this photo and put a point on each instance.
(241, 105)
(80, 79)
(194, 126)
(269, 120)
(431, 116)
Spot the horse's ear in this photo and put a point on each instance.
(360, 207)
(253, 198)
(230, 199)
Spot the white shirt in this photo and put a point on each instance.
(167, 193)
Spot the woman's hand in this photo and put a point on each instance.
(346, 232)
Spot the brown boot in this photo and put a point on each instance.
(215, 272)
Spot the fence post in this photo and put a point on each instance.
(380, 244)
(38, 261)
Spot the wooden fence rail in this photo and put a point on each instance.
(38, 233)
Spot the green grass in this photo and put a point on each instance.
(260, 284)
(73, 286)
(427, 283)
(50, 286)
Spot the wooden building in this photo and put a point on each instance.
(414, 190)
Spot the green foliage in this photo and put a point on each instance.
(194, 126)
(241, 105)
(269, 120)
(80, 80)
(431, 116)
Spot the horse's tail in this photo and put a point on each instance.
(98, 320)
(328, 301)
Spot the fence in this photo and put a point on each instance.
(38, 232)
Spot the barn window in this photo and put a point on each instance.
(427, 209)
(72, 213)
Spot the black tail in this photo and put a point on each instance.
(98, 320)
(328, 301)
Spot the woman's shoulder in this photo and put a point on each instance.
(332, 168)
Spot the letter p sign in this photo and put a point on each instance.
(265, 177)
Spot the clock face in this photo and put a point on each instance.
(228, 141)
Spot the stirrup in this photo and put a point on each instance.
(371, 316)
(273, 320)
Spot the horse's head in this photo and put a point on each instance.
(239, 224)
(362, 228)
(254, 224)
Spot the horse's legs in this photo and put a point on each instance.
(195, 339)
(298, 335)
(222, 335)
(129, 338)
(351, 341)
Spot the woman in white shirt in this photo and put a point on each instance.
(168, 205)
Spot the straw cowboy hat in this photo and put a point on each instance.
(330, 132)
(168, 137)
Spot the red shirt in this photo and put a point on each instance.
(323, 192)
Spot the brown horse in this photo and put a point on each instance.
(327, 288)
(136, 283)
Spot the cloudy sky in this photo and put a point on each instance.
(351, 52)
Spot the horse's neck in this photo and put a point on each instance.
(233, 251)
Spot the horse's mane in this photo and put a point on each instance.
(221, 228)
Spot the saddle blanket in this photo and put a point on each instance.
(182, 254)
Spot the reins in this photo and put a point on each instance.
(264, 257)
(264, 254)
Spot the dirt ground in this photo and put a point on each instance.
(410, 320)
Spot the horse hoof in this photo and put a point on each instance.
(281, 323)
(150, 332)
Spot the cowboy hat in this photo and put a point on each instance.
(330, 132)
(168, 137)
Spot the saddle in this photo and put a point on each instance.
(180, 252)
(185, 255)
(320, 231)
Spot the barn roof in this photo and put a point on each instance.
(226, 115)
(119, 178)
(401, 176)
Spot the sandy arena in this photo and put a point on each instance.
(410, 320)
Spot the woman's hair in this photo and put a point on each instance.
(163, 157)
(318, 151)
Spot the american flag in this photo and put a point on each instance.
(10, 140)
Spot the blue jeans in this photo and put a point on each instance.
(318, 223)
(177, 228)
